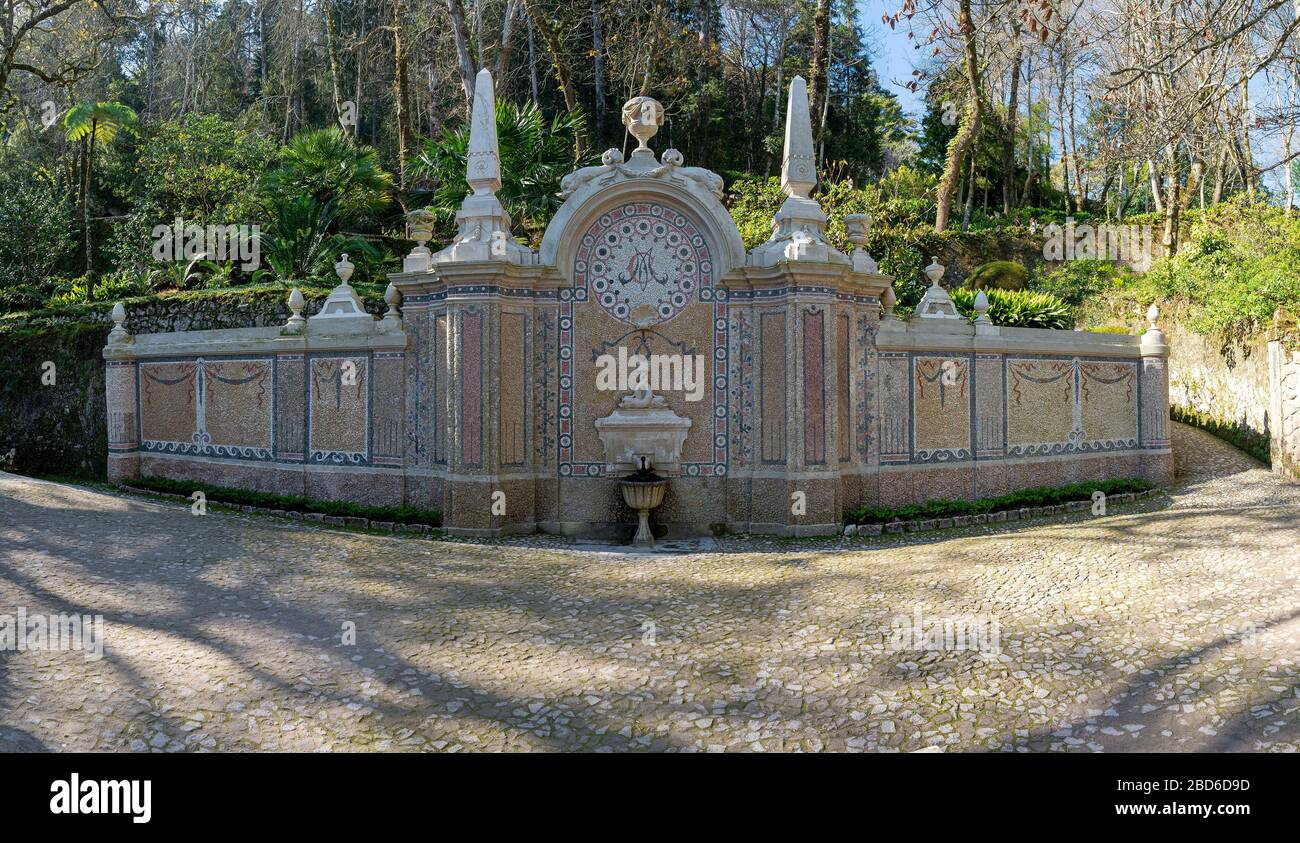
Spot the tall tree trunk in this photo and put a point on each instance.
(332, 48)
(1153, 184)
(460, 38)
(506, 47)
(1013, 116)
(779, 91)
(361, 63)
(1247, 160)
(552, 42)
(970, 125)
(1065, 146)
(1030, 164)
(817, 73)
(532, 63)
(598, 57)
(1172, 203)
(401, 92)
(85, 194)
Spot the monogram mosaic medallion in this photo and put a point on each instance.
(642, 257)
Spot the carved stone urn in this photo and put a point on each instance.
(643, 491)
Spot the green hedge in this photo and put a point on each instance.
(290, 503)
(1015, 500)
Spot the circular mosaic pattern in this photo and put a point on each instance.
(643, 261)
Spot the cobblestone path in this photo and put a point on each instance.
(1170, 625)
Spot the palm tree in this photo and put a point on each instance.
(92, 125)
(535, 155)
(328, 166)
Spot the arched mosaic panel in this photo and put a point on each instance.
(642, 255)
(639, 255)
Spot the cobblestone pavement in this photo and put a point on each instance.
(1168, 626)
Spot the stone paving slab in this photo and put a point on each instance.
(1175, 625)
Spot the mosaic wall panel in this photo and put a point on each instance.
(339, 392)
(1155, 402)
(990, 406)
(120, 382)
(814, 386)
(238, 401)
(439, 356)
(743, 387)
(471, 387)
(642, 259)
(1065, 405)
(215, 408)
(1040, 405)
(844, 375)
(895, 407)
(512, 388)
(865, 368)
(772, 382)
(942, 405)
(168, 402)
(545, 385)
(420, 373)
(1108, 394)
(386, 446)
(291, 407)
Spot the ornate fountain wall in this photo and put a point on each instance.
(479, 396)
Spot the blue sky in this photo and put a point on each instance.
(892, 52)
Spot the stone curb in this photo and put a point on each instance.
(925, 525)
(347, 521)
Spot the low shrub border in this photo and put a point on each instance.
(1254, 443)
(1025, 503)
(340, 513)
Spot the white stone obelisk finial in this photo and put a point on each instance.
(481, 214)
(799, 228)
(483, 163)
(798, 162)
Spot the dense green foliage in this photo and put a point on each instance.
(1017, 308)
(1240, 264)
(536, 154)
(289, 503)
(1015, 500)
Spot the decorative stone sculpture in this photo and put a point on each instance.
(983, 324)
(1153, 339)
(936, 303)
(643, 116)
(481, 215)
(889, 300)
(343, 311)
(800, 213)
(419, 227)
(632, 432)
(118, 334)
(392, 320)
(858, 227)
(296, 322)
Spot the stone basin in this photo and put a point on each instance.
(643, 496)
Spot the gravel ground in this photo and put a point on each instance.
(1170, 625)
